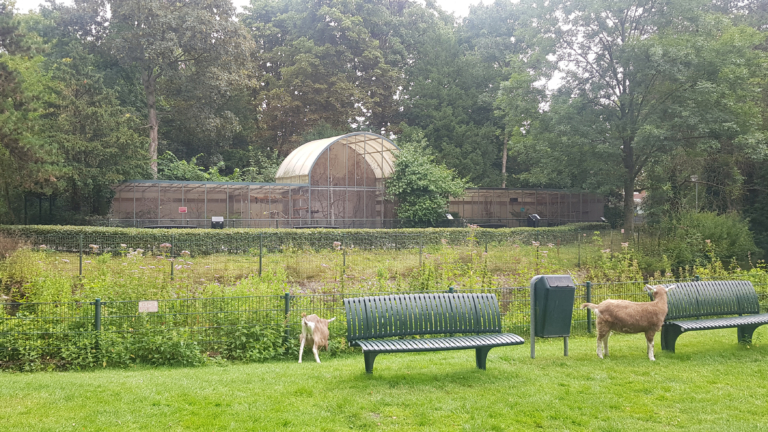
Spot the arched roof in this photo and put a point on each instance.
(377, 150)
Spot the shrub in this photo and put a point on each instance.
(205, 241)
(253, 343)
(687, 236)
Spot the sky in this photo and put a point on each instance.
(458, 7)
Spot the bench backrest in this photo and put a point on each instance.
(711, 298)
(421, 314)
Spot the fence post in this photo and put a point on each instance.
(450, 290)
(261, 250)
(486, 245)
(421, 248)
(344, 252)
(589, 311)
(287, 311)
(579, 234)
(81, 255)
(97, 315)
(696, 278)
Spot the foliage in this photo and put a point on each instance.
(420, 186)
(110, 239)
(252, 343)
(698, 237)
(169, 167)
(325, 63)
(641, 87)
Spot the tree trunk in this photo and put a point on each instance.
(148, 79)
(629, 187)
(504, 164)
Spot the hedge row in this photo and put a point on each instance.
(245, 240)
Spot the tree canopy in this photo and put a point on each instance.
(608, 96)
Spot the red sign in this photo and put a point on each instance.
(182, 209)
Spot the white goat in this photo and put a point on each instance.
(630, 317)
(315, 331)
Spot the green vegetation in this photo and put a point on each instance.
(671, 101)
(421, 187)
(710, 383)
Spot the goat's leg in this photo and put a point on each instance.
(599, 347)
(603, 331)
(301, 347)
(649, 339)
(315, 350)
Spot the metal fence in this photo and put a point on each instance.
(206, 321)
(328, 257)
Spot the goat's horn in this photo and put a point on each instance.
(671, 286)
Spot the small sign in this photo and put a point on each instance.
(622, 230)
(148, 306)
(182, 209)
(217, 219)
(448, 216)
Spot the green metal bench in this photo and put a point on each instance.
(690, 303)
(373, 322)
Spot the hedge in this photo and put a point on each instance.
(244, 240)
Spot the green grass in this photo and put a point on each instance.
(712, 383)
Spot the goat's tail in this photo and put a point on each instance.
(589, 305)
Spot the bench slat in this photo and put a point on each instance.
(441, 344)
(421, 314)
(712, 298)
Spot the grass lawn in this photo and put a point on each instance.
(712, 383)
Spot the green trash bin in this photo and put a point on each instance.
(552, 298)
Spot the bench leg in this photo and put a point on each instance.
(745, 333)
(481, 354)
(669, 335)
(370, 357)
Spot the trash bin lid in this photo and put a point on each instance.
(559, 281)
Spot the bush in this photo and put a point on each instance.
(205, 241)
(689, 237)
(252, 343)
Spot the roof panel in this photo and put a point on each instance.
(377, 150)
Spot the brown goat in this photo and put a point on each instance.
(630, 317)
(315, 331)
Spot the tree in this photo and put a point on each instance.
(420, 186)
(517, 106)
(449, 97)
(192, 45)
(27, 163)
(332, 62)
(100, 142)
(653, 76)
